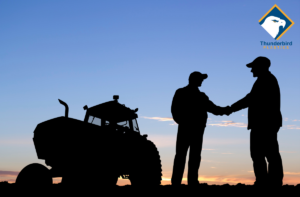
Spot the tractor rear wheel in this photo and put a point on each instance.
(34, 174)
(147, 166)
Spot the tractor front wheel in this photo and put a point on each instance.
(147, 170)
(34, 174)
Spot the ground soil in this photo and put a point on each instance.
(166, 190)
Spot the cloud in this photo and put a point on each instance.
(158, 118)
(226, 123)
(230, 179)
(9, 176)
(291, 127)
(161, 119)
(8, 173)
(227, 153)
(8, 180)
(285, 119)
(292, 173)
(170, 141)
(289, 173)
(12, 176)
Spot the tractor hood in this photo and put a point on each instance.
(112, 111)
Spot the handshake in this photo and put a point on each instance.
(226, 110)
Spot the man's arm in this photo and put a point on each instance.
(241, 104)
(216, 110)
(176, 106)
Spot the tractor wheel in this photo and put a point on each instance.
(34, 174)
(147, 166)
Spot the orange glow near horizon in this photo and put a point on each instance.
(290, 178)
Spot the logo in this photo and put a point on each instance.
(276, 22)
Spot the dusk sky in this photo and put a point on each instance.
(84, 52)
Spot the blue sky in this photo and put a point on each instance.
(84, 52)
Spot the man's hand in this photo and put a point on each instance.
(227, 110)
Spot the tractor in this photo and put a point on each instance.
(106, 146)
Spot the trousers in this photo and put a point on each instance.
(188, 136)
(264, 144)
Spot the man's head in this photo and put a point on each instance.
(259, 66)
(196, 78)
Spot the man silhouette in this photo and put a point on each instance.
(189, 110)
(264, 120)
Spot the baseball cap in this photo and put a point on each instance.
(260, 61)
(197, 75)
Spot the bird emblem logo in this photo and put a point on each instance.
(276, 22)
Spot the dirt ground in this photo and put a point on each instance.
(166, 190)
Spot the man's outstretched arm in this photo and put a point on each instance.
(241, 104)
(217, 110)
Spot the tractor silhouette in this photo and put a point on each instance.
(105, 146)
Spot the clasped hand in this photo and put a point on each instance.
(226, 110)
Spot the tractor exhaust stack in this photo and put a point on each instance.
(66, 106)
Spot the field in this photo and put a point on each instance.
(166, 190)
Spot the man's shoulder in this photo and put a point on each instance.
(204, 95)
(179, 93)
(183, 89)
(270, 79)
(187, 89)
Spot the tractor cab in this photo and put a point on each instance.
(112, 114)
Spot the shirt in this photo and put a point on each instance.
(190, 106)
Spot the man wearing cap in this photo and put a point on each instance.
(189, 110)
(264, 120)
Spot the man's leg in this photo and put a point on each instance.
(195, 155)
(275, 168)
(257, 150)
(182, 145)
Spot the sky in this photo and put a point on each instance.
(84, 52)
